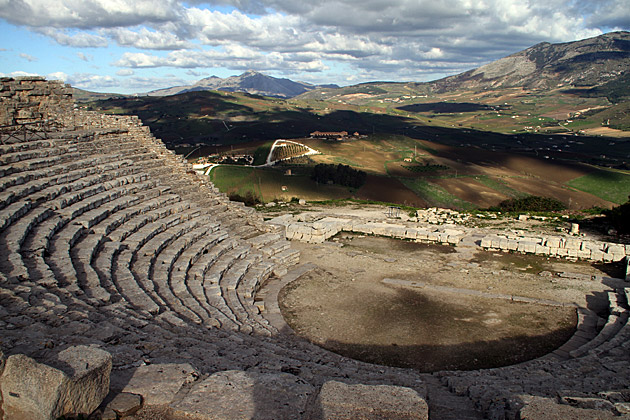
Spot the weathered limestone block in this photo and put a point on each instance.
(627, 269)
(422, 234)
(125, 404)
(381, 229)
(159, 383)
(539, 408)
(553, 242)
(362, 228)
(495, 242)
(397, 231)
(411, 233)
(572, 243)
(337, 401)
(443, 237)
(542, 250)
(246, 395)
(616, 251)
(334, 223)
(563, 252)
(454, 239)
(486, 242)
(597, 255)
(584, 254)
(526, 247)
(75, 382)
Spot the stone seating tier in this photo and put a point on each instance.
(108, 240)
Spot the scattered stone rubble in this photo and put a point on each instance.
(116, 255)
(439, 216)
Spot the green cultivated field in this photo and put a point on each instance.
(610, 185)
(435, 195)
(266, 184)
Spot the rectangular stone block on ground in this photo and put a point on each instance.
(159, 383)
(339, 401)
(246, 395)
(75, 381)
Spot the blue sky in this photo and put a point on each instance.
(136, 46)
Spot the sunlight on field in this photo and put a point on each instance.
(610, 185)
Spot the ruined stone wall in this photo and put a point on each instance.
(561, 247)
(25, 100)
(323, 229)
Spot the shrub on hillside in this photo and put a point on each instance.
(529, 203)
(619, 217)
(249, 199)
(338, 174)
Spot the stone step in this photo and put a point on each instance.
(128, 285)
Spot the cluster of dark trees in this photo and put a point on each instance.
(338, 174)
(529, 203)
(249, 199)
(619, 217)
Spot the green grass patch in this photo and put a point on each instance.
(352, 201)
(270, 184)
(346, 161)
(425, 168)
(261, 153)
(613, 186)
(499, 186)
(436, 195)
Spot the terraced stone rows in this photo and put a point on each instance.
(60, 255)
(163, 268)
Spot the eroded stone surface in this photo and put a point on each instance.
(548, 409)
(75, 381)
(246, 395)
(339, 401)
(159, 383)
(125, 404)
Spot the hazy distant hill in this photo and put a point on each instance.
(81, 95)
(589, 62)
(251, 82)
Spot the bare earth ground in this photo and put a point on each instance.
(606, 131)
(345, 306)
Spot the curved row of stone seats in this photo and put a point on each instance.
(107, 291)
(51, 208)
(155, 279)
(586, 379)
(615, 323)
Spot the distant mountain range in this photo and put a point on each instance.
(589, 62)
(251, 82)
(602, 62)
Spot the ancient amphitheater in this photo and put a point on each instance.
(125, 274)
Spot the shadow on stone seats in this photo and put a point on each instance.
(598, 303)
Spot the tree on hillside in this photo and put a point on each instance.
(619, 217)
(529, 203)
(339, 174)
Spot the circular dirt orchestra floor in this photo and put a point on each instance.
(344, 305)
